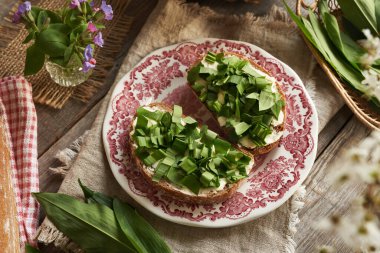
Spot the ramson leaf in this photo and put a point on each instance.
(266, 101)
(95, 197)
(349, 48)
(361, 13)
(179, 150)
(85, 223)
(141, 234)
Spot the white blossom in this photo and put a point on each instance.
(372, 46)
(371, 83)
(360, 228)
(326, 249)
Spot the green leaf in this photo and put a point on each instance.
(30, 249)
(241, 127)
(192, 183)
(177, 149)
(42, 19)
(80, 29)
(95, 197)
(100, 26)
(188, 165)
(35, 12)
(29, 37)
(300, 24)
(253, 95)
(322, 44)
(277, 108)
(344, 43)
(175, 176)
(344, 69)
(160, 171)
(206, 178)
(250, 71)
(92, 226)
(210, 57)
(221, 146)
(71, 18)
(35, 59)
(61, 28)
(57, 60)
(143, 236)
(177, 114)
(205, 70)
(266, 101)
(53, 42)
(54, 17)
(68, 53)
(377, 13)
(361, 13)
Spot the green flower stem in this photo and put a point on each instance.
(80, 8)
(84, 9)
(29, 18)
(79, 53)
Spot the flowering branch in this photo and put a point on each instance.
(361, 228)
(370, 61)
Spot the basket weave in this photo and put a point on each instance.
(354, 100)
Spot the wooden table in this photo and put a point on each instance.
(57, 129)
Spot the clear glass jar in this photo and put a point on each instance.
(68, 76)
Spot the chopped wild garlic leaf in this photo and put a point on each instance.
(239, 94)
(184, 154)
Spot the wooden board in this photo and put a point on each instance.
(322, 199)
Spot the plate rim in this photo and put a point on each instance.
(221, 223)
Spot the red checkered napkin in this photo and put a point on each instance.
(17, 107)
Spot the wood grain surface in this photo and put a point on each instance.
(9, 232)
(58, 128)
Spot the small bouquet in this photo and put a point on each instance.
(66, 37)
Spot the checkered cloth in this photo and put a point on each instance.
(17, 108)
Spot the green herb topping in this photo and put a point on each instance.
(243, 99)
(184, 154)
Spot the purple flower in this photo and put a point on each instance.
(87, 65)
(98, 39)
(91, 27)
(16, 18)
(89, 61)
(74, 4)
(82, 1)
(92, 4)
(107, 9)
(22, 8)
(88, 53)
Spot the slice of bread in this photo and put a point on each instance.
(278, 129)
(206, 197)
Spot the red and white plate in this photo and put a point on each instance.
(161, 76)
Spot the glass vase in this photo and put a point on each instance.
(69, 76)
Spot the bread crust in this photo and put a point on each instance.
(173, 191)
(280, 128)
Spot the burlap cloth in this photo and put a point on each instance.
(173, 21)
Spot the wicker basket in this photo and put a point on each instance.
(354, 100)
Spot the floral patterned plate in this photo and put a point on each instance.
(161, 76)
